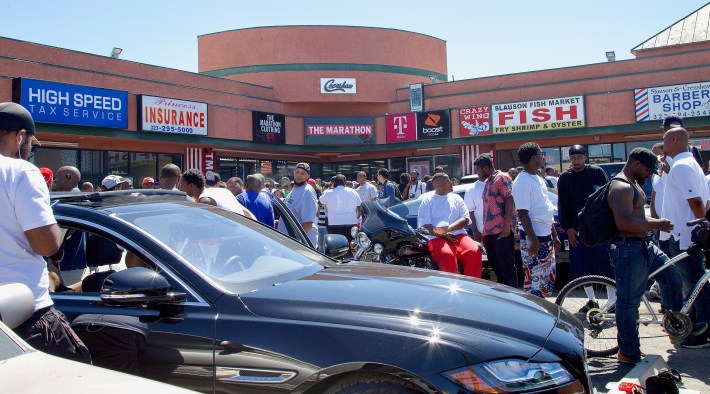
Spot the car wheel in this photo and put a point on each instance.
(372, 383)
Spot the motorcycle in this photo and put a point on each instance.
(384, 236)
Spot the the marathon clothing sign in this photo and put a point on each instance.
(538, 115)
(166, 115)
(338, 85)
(268, 127)
(401, 127)
(416, 97)
(53, 102)
(433, 125)
(688, 101)
(475, 121)
(340, 131)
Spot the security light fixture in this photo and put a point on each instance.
(115, 52)
(611, 56)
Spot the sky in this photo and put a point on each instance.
(484, 38)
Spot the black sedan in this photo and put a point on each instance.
(233, 306)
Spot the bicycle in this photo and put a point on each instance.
(599, 321)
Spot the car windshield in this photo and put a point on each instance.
(226, 247)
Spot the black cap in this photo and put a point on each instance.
(577, 150)
(438, 169)
(304, 167)
(14, 117)
(646, 157)
(212, 178)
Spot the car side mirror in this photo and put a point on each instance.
(139, 287)
(336, 246)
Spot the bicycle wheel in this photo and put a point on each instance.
(596, 316)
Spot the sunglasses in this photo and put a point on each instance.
(35, 148)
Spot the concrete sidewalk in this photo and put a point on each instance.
(691, 363)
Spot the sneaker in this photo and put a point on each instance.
(628, 359)
(590, 304)
(655, 292)
(698, 328)
(697, 342)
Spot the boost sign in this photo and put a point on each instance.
(54, 102)
(536, 115)
(167, 115)
(433, 125)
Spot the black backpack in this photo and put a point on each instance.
(596, 220)
(396, 190)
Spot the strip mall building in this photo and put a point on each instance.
(347, 99)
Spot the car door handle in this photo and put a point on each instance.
(238, 347)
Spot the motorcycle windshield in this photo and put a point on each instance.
(385, 214)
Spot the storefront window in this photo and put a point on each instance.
(619, 151)
(117, 162)
(552, 158)
(599, 153)
(142, 165)
(55, 158)
(450, 163)
(423, 164)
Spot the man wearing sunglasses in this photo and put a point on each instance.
(28, 232)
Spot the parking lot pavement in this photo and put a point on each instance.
(691, 363)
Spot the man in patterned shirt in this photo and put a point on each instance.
(498, 215)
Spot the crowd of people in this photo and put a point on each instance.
(501, 207)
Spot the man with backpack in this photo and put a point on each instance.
(574, 187)
(388, 188)
(632, 253)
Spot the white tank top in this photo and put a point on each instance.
(224, 199)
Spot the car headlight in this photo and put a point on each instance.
(363, 241)
(509, 376)
(353, 232)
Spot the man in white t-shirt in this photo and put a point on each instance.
(445, 216)
(28, 232)
(342, 206)
(686, 187)
(474, 203)
(365, 190)
(416, 187)
(538, 238)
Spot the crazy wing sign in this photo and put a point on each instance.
(538, 115)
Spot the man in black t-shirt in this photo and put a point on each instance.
(574, 187)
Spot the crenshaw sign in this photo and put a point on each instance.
(338, 85)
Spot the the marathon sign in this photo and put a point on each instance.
(401, 127)
(166, 115)
(338, 85)
(340, 131)
(538, 115)
(688, 101)
(53, 102)
(475, 121)
(268, 127)
(433, 125)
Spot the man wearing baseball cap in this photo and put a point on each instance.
(148, 183)
(29, 232)
(574, 187)
(112, 182)
(303, 202)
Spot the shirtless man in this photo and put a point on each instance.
(633, 256)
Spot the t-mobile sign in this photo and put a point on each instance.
(402, 127)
